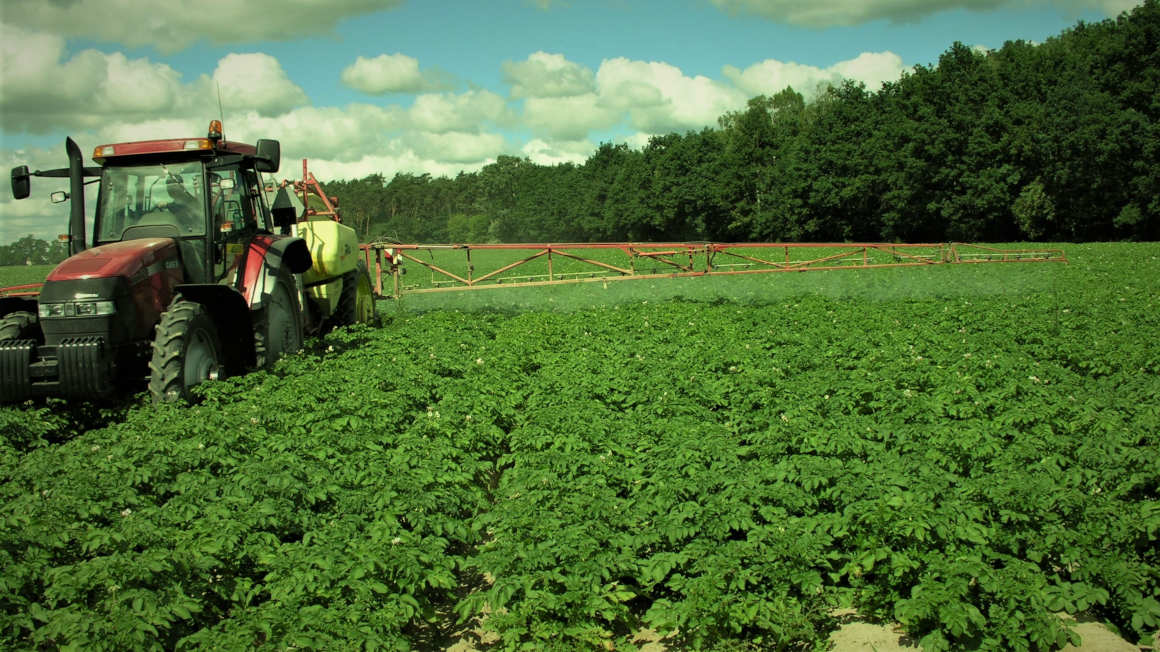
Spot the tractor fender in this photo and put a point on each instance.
(230, 314)
(268, 257)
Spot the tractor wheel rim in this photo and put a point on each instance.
(201, 359)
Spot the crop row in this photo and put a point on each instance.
(965, 465)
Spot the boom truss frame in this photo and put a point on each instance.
(635, 260)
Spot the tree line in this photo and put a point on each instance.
(1058, 141)
(1051, 141)
(31, 250)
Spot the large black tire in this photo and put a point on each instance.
(346, 308)
(356, 301)
(365, 299)
(186, 351)
(278, 327)
(20, 325)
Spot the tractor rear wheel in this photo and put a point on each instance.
(186, 351)
(278, 329)
(20, 325)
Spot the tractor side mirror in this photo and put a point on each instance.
(269, 156)
(21, 187)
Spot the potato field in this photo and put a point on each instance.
(966, 451)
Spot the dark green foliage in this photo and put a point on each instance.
(962, 453)
(32, 251)
(1057, 141)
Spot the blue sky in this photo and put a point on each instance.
(373, 86)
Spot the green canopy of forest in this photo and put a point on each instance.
(31, 250)
(1054, 141)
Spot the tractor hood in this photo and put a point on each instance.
(128, 284)
(134, 260)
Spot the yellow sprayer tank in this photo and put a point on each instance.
(334, 250)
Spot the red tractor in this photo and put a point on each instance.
(193, 273)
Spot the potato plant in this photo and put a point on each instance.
(966, 458)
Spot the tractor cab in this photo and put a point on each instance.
(203, 193)
(209, 210)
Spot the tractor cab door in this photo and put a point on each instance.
(238, 214)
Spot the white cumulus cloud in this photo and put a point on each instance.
(831, 13)
(569, 117)
(322, 132)
(659, 98)
(1115, 7)
(173, 26)
(548, 75)
(556, 152)
(42, 90)
(386, 73)
(46, 90)
(443, 112)
(771, 76)
(392, 73)
(150, 129)
(389, 163)
(257, 81)
(456, 146)
(37, 215)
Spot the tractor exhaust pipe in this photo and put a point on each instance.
(76, 193)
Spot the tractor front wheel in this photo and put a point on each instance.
(20, 325)
(186, 351)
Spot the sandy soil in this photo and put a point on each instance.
(857, 636)
(853, 636)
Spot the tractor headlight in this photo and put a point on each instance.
(48, 310)
(76, 309)
(94, 308)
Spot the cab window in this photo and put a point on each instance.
(150, 195)
(228, 205)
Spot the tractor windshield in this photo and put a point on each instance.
(151, 195)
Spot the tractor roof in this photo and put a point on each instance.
(211, 143)
(169, 146)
